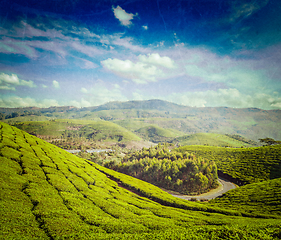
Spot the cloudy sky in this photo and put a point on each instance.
(86, 53)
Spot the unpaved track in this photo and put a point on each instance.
(223, 188)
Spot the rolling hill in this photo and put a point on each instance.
(251, 123)
(248, 165)
(156, 134)
(212, 139)
(77, 133)
(47, 193)
(263, 197)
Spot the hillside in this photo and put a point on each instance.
(73, 133)
(156, 134)
(248, 165)
(212, 139)
(263, 198)
(47, 193)
(83, 134)
(251, 123)
(183, 173)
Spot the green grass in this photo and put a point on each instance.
(262, 198)
(157, 134)
(210, 139)
(73, 128)
(247, 164)
(47, 193)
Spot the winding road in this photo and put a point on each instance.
(223, 188)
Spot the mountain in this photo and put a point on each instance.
(251, 123)
(47, 193)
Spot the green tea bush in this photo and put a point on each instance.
(47, 193)
(249, 165)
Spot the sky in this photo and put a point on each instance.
(82, 53)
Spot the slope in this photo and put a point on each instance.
(209, 139)
(248, 165)
(156, 134)
(77, 129)
(47, 193)
(261, 198)
(251, 123)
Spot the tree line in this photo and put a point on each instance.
(181, 172)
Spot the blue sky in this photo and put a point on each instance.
(206, 53)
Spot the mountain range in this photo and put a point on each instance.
(251, 123)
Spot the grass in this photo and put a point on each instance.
(157, 134)
(250, 165)
(47, 193)
(263, 197)
(210, 139)
(73, 128)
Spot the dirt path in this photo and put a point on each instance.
(223, 188)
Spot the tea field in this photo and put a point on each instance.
(249, 165)
(47, 193)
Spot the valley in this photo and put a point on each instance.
(138, 149)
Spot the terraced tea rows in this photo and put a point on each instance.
(250, 165)
(263, 197)
(47, 193)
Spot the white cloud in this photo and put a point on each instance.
(149, 68)
(15, 101)
(82, 103)
(138, 72)
(44, 86)
(127, 43)
(156, 59)
(84, 90)
(56, 84)
(240, 9)
(226, 98)
(145, 27)
(8, 88)
(102, 93)
(124, 17)
(9, 82)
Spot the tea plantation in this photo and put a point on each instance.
(47, 193)
(263, 197)
(249, 165)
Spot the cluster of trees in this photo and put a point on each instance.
(269, 141)
(249, 165)
(181, 172)
(18, 114)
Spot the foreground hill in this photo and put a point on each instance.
(251, 123)
(263, 198)
(47, 193)
(248, 165)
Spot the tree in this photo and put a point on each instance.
(269, 141)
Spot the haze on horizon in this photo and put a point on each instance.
(82, 53)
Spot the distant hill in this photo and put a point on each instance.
(47, 193)
(213, 139)
(157, 134)
(251, 123)
(75, 133)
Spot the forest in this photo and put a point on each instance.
(181, 172)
